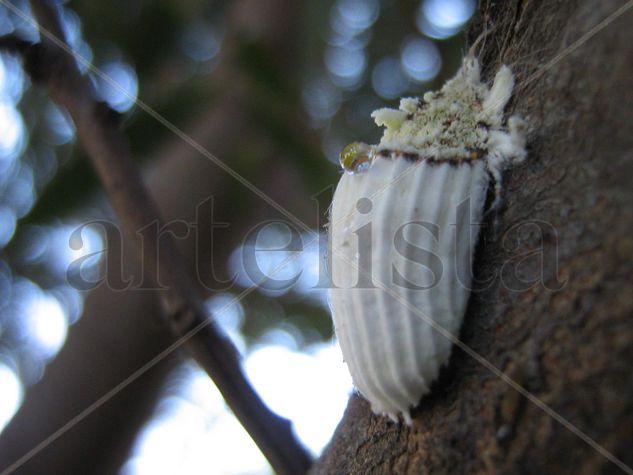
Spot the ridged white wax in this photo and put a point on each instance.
(436, 153)
(392, 353)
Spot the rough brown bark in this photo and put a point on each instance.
(571, 347)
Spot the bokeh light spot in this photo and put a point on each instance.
(47, 324)
(321, 98)
(201, 41)
(119, 87)
(11, 394)
(387, 78)
(12, 132)
(346, 65)
(351, 17)
(444, 18)
(8, 221)
(421, 59)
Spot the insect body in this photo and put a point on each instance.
(403, 229)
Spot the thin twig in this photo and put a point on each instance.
(14, 44)
(121, 179)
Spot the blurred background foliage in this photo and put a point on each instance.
(274, 89)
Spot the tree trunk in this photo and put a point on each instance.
(557, 318)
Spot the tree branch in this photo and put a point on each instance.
(14, 44)
(121, 179)
(551, 306)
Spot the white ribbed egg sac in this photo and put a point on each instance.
(402, 238)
